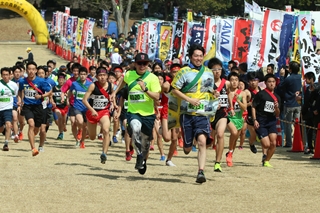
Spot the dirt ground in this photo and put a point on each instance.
(66, 179)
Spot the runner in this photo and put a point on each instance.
(8, 90)
(17, 129)
(265, 110)
(99, 107)
(144, 89)
(32, 91)
(78, 90)
(243, 86)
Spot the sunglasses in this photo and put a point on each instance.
(144, 63)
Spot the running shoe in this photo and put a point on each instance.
(180, 142)
(229, 159)
(114, 139)
(100, 137)
(194, 148)
(247, 134)
(214, 147)
(253, 149)
(200, 177)
(240, 148)
(128, 156)
(82, 146)
(151, 148)
(131, 150)
(5, 147)
(162, 158)
(41, 149)
(139, 162)
(267, 164)
(123, 141)
(16, 139)
(20, 136)
(103, 158)
(144, 168)
(35, 152)
(60, 136)
(263, 159)
(258, 139)
(77, 144)
(169, 163)
(217, 167)
(175, 153)
(118, 133)
(79, 134)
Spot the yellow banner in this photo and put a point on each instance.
(79, 32)
(190, 15)
(165, 41)
(296, 54)
(211, 53)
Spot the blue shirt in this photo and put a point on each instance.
(52, 84)
(29, 92)
(15, 99)
(78, 91)
(289, 86)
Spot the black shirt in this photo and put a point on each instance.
(264, 104)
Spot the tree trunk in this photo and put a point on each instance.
(126, 18)
(118, 15)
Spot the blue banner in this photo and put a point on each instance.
(197, 31)
(69, 30)
(105, 17)
(287, 29)
(175, 13)
(43, 14)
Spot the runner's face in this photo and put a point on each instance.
(102, 78)
(83, 76)
(271, 84)
(41, 73)
(234, 81)
(216, 70)
(17, 74)
(61, 81)
(197, 58)
(141, 66)
(241, 86)
(111, 79)
(253, 83)
(269, 70)
(161, 80)
(75, 72)
(5, 76)
(93, 72)
(157, 68)
(31, 71)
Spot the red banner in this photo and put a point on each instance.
(242, 39)
(84, 34)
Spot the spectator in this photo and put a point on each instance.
(146, 9)
(97, 47)
(116, 59)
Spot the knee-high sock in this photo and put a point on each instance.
(136, 135)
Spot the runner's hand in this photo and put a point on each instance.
(142, 85)
(94, 113)
(216, 94)
(194, 101)
(276, 105)
(37, 96)
(256, 124)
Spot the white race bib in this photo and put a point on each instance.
(269, 107)
(100, 103)
(137, 97)
(30, 93)
(80, 95)
(236, 107)
(125, 104)
(223, 100)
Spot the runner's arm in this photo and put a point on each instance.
(179, 94)
(243, 103)
(86, 97)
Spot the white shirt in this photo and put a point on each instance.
(145, 5)
(116, 58)
(6, 96)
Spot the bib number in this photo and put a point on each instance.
(80, 95)
(30, 94)
(223, 100)
(197, 109)
(269, 107)
(137, 97)
(4, 100)
(125, 104)
(100, 103)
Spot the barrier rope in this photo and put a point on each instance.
(301, 124)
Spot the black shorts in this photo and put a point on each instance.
(48, 117)
(35, 112)
(146, 121)
(123, 115)
(73, 112)
(250, 121)
(266, 126)
(15, 108)
(221, 113)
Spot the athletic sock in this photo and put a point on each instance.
(6, 142)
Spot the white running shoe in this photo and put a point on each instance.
(118, 133)
(41, 149)
(77, 144)
(169, 163)
(123, 141)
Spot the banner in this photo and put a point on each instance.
(152, 39)
(197, 32)
(165, 40)
(209, 39)
(309, 60)
(67, 10)
(177, 39)
(138, 39)
(296, 49)
(242, 39)
(79, 32)
(65, 25)
(54, 21)
(225, 39)
(256, 8)
(254, 49)
(90, 32)
(189, 15)
(144, 38)
(270, 37)
(288, 8)
(285, 38)
(186, 42)
(84, 34)
(43, 14)
(105, 17)
(247, 7)
(74, 30)
(69, 31)
(175, 13)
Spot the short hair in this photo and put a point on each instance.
(5, 69)
(92, 67)
(156, 64)
(44, 68)
(251, 75)
(233, 69)
(20, 64)
(16, 68)
(104, 63)
(162, 74)
(245, 83)
(294, 67)
(112, 74)
(31, 63)
(233, 74)
(214, 61)
(83, 69)
(76, 66)
(266, 77)
(310, 75)
(271, 65)
(195, 47)
(234, 64)
(243, 67)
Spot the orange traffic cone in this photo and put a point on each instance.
(297, 145)
(316, 155)
(279, 134)
(33, 39)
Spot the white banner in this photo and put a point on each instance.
(225, 39)
(186, 41)
(210, 37)
(152, 39)
(144, 39)
(90, 32)
(254, 49)
(247, 7)
(256, 8)
(309, 60)
(271, 29)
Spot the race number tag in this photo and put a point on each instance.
(44, 104)
(30, 93)
(269, 107)
(223, 100)
(4, 100)
(237, 107)
(80, 95)
(197, 109)
(100, 103)
(136, 97)
(125, 105)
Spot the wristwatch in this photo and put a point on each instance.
(146, 89)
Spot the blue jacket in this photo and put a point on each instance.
(289, 86)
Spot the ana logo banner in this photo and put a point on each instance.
(225, 39)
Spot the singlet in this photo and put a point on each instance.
(56, 92)
(253, 94)
(97, 100)
(223, 99)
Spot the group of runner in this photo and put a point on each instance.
(138, 102)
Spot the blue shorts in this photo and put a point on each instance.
(266, 126)
(5, 116)
(192, 126)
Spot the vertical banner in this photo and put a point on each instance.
(254, 49)
(197, 32)
(90, 32)
(186, 42)
(67, 10)
(269, 51)
(296, 53)
(165, 40)
(152, 39)
(43, 14)
(144, 38)
(225, 39)
(309, 61)
(59, 22)
(79, 32)
(242, 39)
(74, 30)
(84, 34)
(105, 17)
(175, 13)
(177, 39)
(190, 15)
(209, 39)
(54, 21)
(69, 31)
(65, 25)
(138, 39)
(247, 7)
(285, 38)
(288, 8)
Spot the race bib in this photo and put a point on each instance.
(137, 97)
(269, 107)
(44, 104)
(30, 93)
(4, 100)
(236, 107)
(223, 100)
(80, 95)
(125, 104)
(204, 106)
(100, 103)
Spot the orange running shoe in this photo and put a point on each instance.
(35, 152)
(229, 159)
(180, 142)
(20, 136)
(175, 153)
(82, 146)
(79, 135)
